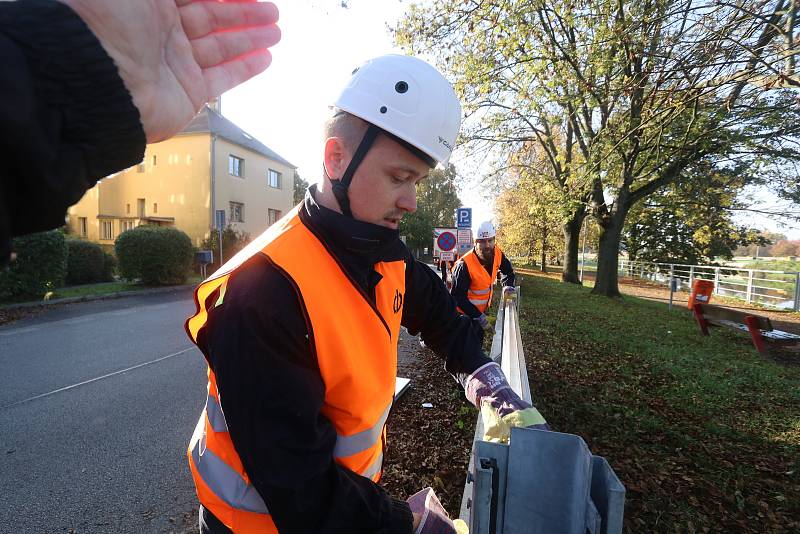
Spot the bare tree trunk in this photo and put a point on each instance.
(607, 281)
(544, 249)
(572, 238)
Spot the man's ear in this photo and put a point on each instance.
(335, 158)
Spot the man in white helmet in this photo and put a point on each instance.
(476, 272)
(300, 329)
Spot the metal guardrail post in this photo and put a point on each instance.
(691, 276)
(796, 306)
(716, 280)
(514, 367)
(749, 294)
(541, 482)
(496, 355)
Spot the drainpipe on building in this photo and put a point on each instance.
(214, 185)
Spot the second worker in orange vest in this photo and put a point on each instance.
(300, 329)
(474, 276)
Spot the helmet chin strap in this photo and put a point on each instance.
(341, 186)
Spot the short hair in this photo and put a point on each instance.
(349, 128)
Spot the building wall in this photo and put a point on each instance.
(87, 207)
(252, 189)
(174, 182)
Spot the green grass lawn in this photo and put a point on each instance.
(94, 289)
(703, 431)
(106, 288)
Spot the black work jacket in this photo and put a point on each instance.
(271, 390)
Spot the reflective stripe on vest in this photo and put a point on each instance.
(375, 468)
(350, 445)
(356, 353)
(226, 483)
(215, 415)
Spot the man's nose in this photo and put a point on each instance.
(408, 201)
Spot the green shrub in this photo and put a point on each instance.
(109, 266)
(155, 255)
(85, 262)
(232, 242)
(40, 266)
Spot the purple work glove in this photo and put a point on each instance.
(433, 517)
(489, 384)
(484, 322)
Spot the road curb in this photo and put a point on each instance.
(89, 298)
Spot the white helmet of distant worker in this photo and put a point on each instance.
(486, 230)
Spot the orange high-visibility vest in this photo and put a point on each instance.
(356, 349)
(481, 285)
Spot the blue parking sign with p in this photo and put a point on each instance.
(464, 217)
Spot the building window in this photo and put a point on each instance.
(235, 166)
(237, 212)
(155, 208)
(140, 207)
(273, 216)
(107, 230)
(83, 227)
(274, 179)
(140, 167)
(128, 209)
(126, 225)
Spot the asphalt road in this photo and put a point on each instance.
(97, 404)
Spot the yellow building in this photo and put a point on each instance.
(211, 167)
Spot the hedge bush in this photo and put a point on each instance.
(154, 255)
(40, 266)
(86, 262)
(109, 266)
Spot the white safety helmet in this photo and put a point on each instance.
(486, 230)
(408, 98)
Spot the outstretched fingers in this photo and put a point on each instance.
(201, 18)
(217, 48)
(228, 75)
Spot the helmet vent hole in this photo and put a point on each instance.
(384, 109)
(401, 87)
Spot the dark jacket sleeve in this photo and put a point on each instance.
(66, 118)
(461, 282)
(271, 393)
(430, 311)
(507, 271)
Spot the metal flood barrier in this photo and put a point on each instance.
(541, 482)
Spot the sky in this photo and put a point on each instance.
(322, 42)
(286, 106)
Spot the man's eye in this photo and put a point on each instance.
(398, 179)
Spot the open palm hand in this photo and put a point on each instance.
(175, 55)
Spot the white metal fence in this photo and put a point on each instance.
(779, 289)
